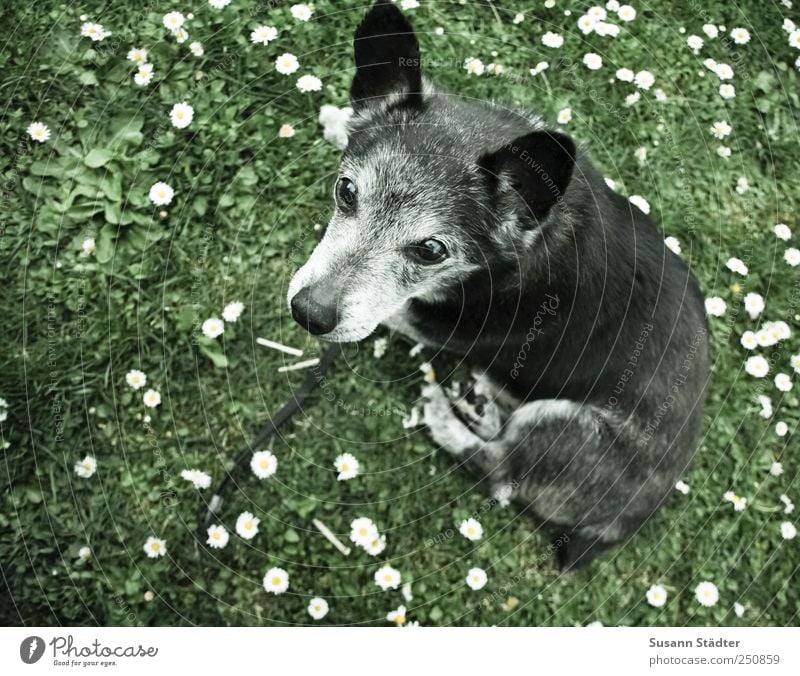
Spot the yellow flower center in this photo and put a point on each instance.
(276, 581)
(264, 464)
(248, 525)
(154, 546)
(345, 467)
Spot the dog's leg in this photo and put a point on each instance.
(445, 426)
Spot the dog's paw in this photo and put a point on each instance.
(436, 405)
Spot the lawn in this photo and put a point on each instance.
(248, 205)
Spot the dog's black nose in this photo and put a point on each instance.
(314, 308)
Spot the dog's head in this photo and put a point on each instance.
(431, 189)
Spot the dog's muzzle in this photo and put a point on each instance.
(315, 308)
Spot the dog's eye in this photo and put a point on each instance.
(429, 252)
(346, 193)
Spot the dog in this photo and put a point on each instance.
(474, 229)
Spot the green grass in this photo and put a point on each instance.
(242, 221)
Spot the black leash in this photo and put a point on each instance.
(284, 414)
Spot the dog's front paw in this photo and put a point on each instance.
(436, 405)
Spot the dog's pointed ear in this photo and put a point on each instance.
(387, 58)
(537, 166)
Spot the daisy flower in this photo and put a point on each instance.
(180, 36)
(741, 36)
(219, 4)
(612, 5)
(213, 327)
(656, 596)
(756, 366)
(318, 608)
(788, 25)
(592, 61)
(232, 311)
(707, 594)
(474, 66)
(605, 29)
(347, 466)
(766, 406)
(218, 537)
(276, 581)
(377, 546)
(539, 68)
(135, 379)
(144, 74)
(715, 306)
(363, 531)
(727, 91)
(38, 132)
(137, 55)
(564, 116)
(782, 231)
(429, 374)
(626, 13)
(788, 530)
(89, 246)
(94, 31)
(737, 265)
(673, 245)
(644, 79)
(739, 503)
(85, 468)
(554, 40)
(197, 478)
(476, 578)
(263, 35)
(788, 507)
(586, 24)
(173, 21)
(151, 398)
(682, 487)
(710, 30)
(783, 382)
(792, 256)
(303, 12)
(196, 48)
(309, 83)
(776, 468)
(471, 529)
(247, 525)
(387, 578)
(85, 553)
(397, 616)
(748, 340)
(742, 185)
(155, 547)
(723, 71)
(724, 152)
(781, 430)
(641, 155)
(720, 129)
(640, 202)
(518, 18)
(695, 42)
(379, 347)
(286, 131)
(161, 194)
(286, 64)
(181, 115)
(264, 464)
(625, 75)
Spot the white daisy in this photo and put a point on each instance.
(161, 194)
(38, 132)
(155, 547)
(347, 466)
(748, 340)
(151, 398)
(794, 360)
(286, 131)
(397, 616)
(247, 525)
(85, 553)
(766, 406)
(180, 36)
(173, 20)
(218, 536)
(756, 366)
(737, 265)
(197, 478)
(723, 71)
(309, 83)
(196, 48)
(554, 40)
(213, 327)
(640, 202)
(89, 246)
(232, 311)
(625, 75)
(181, 115)
(695, 42)
(656, 596)
(363, 531)
(428, 372)
(303, 12)
(644, 79)
(471, 529)
(263, 464)
(592, 61)
(721, 129)
(605, 29)
(318, 608)
(539, 68)
(710, 30)
(376, 547)
(782, 231)
(286, 64)
(788, 530)
(586, 24)
(387, 577)
(742, 185)
(682, 487)
(727, 91)
(137, 55)
(788, 505)
(739, 503)
(741, 36)
(476, 578)
(474, 66)
(85, 468)
(724, 152)
(776, 468)
(707, 594)
(715, 306)
(263, 35)
(94, 31)
(518, 18)
(626, 13)
(564, 116)
(783, 382)
(276, 581)
(144, 74)
(792, 256)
